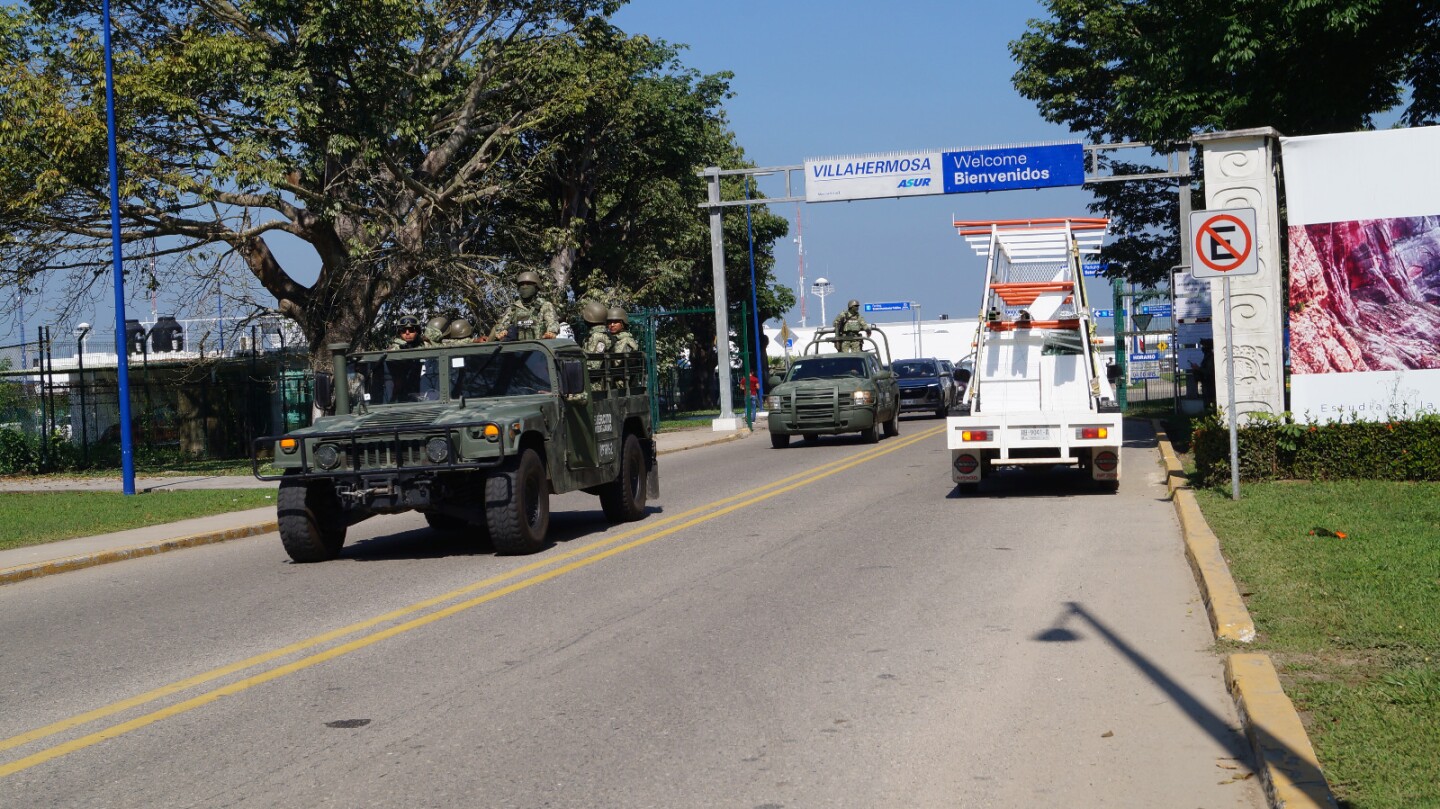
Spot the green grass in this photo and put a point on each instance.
(32, 518)
(1353, 622)
(689, 419)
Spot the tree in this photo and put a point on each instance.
(1163, 70)
(377, 132)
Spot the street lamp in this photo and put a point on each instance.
(80, 332)
(820, 289)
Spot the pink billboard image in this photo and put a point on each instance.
(1365, 295)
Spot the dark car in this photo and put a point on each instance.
(925, 385)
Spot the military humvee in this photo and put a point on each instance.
(841, 392)
(476, 436)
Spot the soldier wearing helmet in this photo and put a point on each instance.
(409, 335)
(849, 324)
(597, 339)
(529, 317)
(459, 331)
(618, 324)
(434, 330)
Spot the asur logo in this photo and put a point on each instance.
(914, 182)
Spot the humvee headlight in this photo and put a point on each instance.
(289, 445)
(437, 449)
(492, 433)
(772, 402)
(863, 397)
(327, 456)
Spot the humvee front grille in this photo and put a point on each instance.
(381, 455)
(816, 406)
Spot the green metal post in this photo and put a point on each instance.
(1121, 391)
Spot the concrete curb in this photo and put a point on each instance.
(721, 439)
(1284, 757)
(11, 575)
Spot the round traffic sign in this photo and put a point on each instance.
(1223, 242)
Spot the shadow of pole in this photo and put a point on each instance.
(1208, 720)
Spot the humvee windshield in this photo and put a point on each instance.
(393, 379)
(827, 368)
(499, 373)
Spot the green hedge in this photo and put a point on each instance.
(1273, 448)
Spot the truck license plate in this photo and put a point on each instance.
(1034, 433)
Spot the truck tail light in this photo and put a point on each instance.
(1092, 432)
(974, 435)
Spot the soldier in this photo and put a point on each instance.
(434, 330)
(459, 331)
(619, 326)
(530, 317)
(849, 324)
(408, 334)
(597, 339)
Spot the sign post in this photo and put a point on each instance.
(1224, 245)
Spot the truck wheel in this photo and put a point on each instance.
(942, 411)
(778, 441)
(892, 425)
(517, 505)
(623, 499)
(312, 523)
(869, 435)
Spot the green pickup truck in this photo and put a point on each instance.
(476, 436)
(833, 393)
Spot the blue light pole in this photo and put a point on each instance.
(122, 360)
(760, 364)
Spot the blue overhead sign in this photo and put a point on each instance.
(896, 306)
(1093, 269)
(1014, 167)
(1161, 310)
(909, 174)
(1105, 312)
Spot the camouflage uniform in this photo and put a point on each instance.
(849, 324)
(531, 320)
(623, 341)
(459, 333)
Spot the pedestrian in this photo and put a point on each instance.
(529, 317)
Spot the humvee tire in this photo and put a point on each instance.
(778, 441)
(623, 499)
(312, 525)
(892, 424)
(517, 505)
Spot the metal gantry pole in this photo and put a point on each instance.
(722, 321)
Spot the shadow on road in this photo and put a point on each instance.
(1215, 725)
(431, 543)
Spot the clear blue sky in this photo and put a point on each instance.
(848, 77)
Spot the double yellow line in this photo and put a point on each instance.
(559, 564)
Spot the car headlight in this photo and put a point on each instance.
(327, 456)
(772, 402)
(863, 397)
(437, 449)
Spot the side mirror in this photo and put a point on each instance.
(774, 380)
(572, 377)
(325, 390)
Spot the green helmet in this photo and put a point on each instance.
(853, 304)
(616, 313)
(528, 277)
(593, 312)
(436, 324)
(407, 321)
(460, 329)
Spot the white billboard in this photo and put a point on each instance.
(1364, 237)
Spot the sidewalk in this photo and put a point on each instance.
(33, 561)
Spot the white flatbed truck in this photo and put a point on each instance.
(1038, 394)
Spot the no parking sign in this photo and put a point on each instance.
(1223, 243)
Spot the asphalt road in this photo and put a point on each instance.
(816, 626)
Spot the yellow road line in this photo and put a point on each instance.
(738, 501)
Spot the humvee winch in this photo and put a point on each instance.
(476, 436)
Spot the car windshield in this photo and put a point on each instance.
(394, 380)
(827, 368)
(499, 373)
(915, 369)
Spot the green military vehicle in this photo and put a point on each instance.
(476, 436)
(833, 393)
